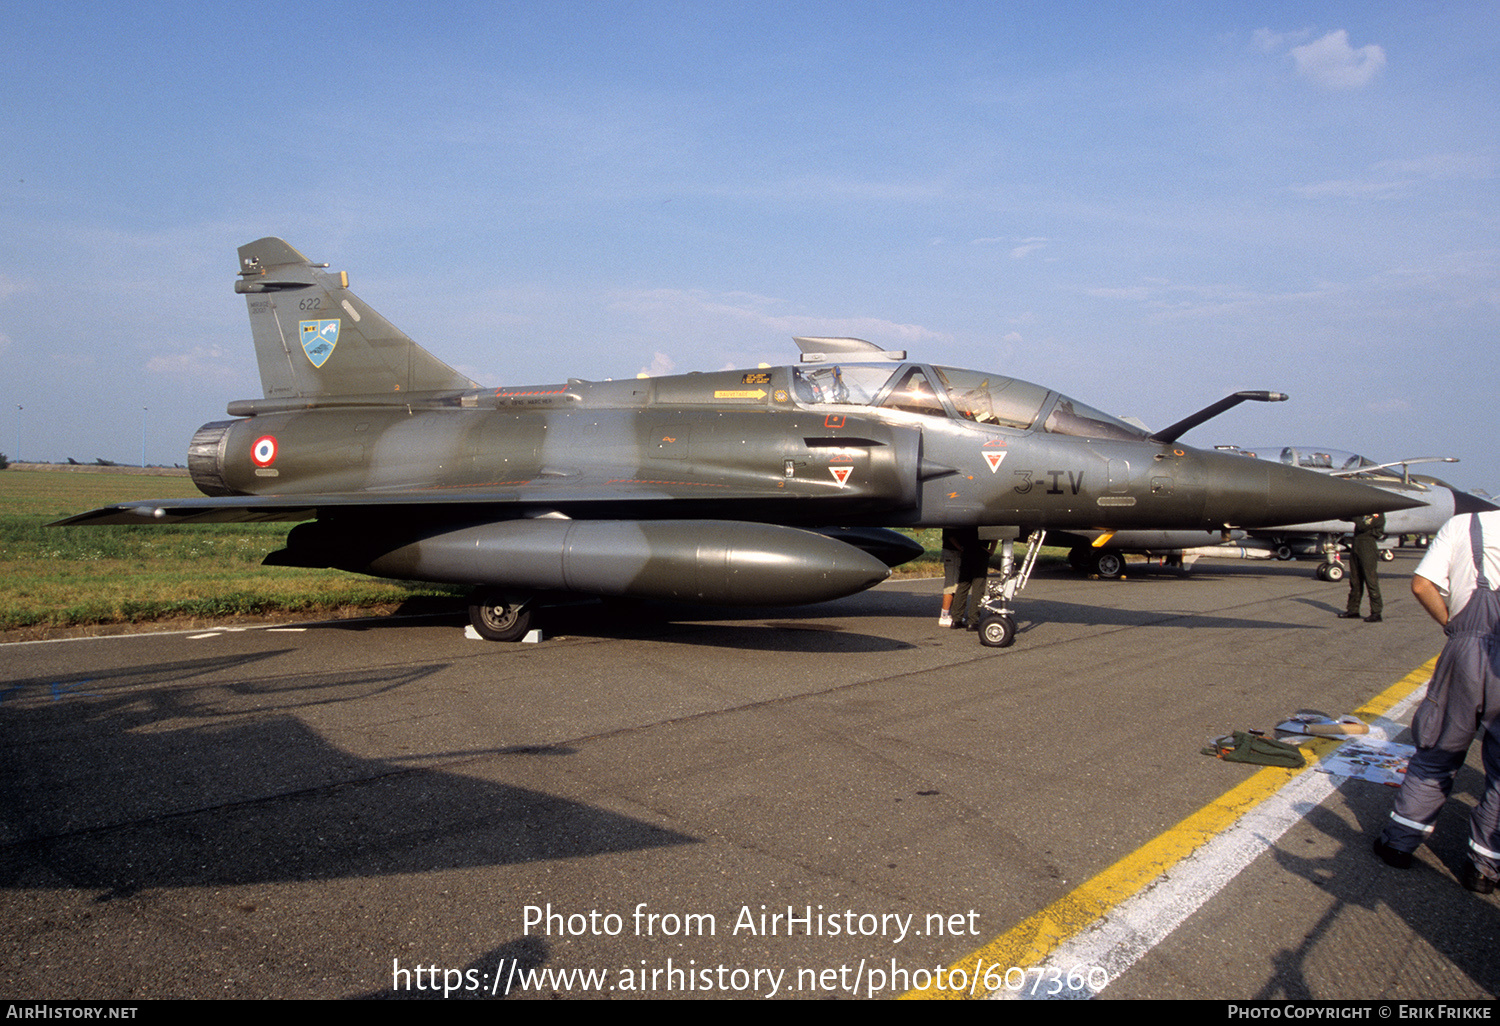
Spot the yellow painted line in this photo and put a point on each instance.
(1032, 940)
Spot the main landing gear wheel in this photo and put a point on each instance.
(497, 619)
(997, 631)
(1109, 565)
(1386, 555)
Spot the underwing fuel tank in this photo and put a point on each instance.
(719, 562)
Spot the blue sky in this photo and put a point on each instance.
(1146, 206)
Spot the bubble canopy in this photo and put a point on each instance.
(976, 396)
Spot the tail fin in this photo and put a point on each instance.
(313, 337)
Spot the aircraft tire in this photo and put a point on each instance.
(1109, 565)
(495, 619)
(1386, 555)
(997, 631)
(1333, 572)
(1284, 552)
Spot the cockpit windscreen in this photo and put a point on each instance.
(1071, 417)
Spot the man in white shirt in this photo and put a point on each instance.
(1456, 583)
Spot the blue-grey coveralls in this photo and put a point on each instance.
(1464, 696)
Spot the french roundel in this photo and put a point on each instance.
(263, 452)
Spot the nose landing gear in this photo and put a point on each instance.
(997, 625)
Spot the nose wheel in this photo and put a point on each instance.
(1332, 568)
(997, 631)
(997, 627)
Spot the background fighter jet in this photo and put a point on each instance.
(718, 488)
(1439, 501)
(1434, 502)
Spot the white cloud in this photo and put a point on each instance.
(660, 364)
(1397, 177)
(1331, 62)
(687, 313)
(1269, 42)
(1206, 302)
(1346, 189)
(13, 286)
(201, 363)
(1019, 247)
(1477, 166)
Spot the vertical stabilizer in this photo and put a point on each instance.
(313, 337)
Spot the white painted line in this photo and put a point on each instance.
(1137, 925)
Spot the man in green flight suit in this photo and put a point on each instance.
(1364, 558)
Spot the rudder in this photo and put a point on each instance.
(313, 337)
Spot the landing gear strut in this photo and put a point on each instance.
(997, 625)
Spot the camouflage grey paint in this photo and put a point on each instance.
(632, 487)
(719, 562)
(285, 291)
(1432, 503)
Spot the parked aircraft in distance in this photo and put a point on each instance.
(1435, 501)
(753, 487)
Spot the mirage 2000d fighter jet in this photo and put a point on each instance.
(750, 487)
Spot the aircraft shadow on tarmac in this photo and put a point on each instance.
(807, 629)
(1048, 611)
(153, 779)
(812, 628)
(1462, 929)
(799, 629)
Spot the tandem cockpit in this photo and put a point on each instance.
(954, 393)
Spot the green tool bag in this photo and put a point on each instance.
(1263, 751)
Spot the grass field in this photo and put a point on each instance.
(71, 576)
(59, 577)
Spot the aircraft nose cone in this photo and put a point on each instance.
(1301, 495)
(1464, 502)
(1255, 493)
